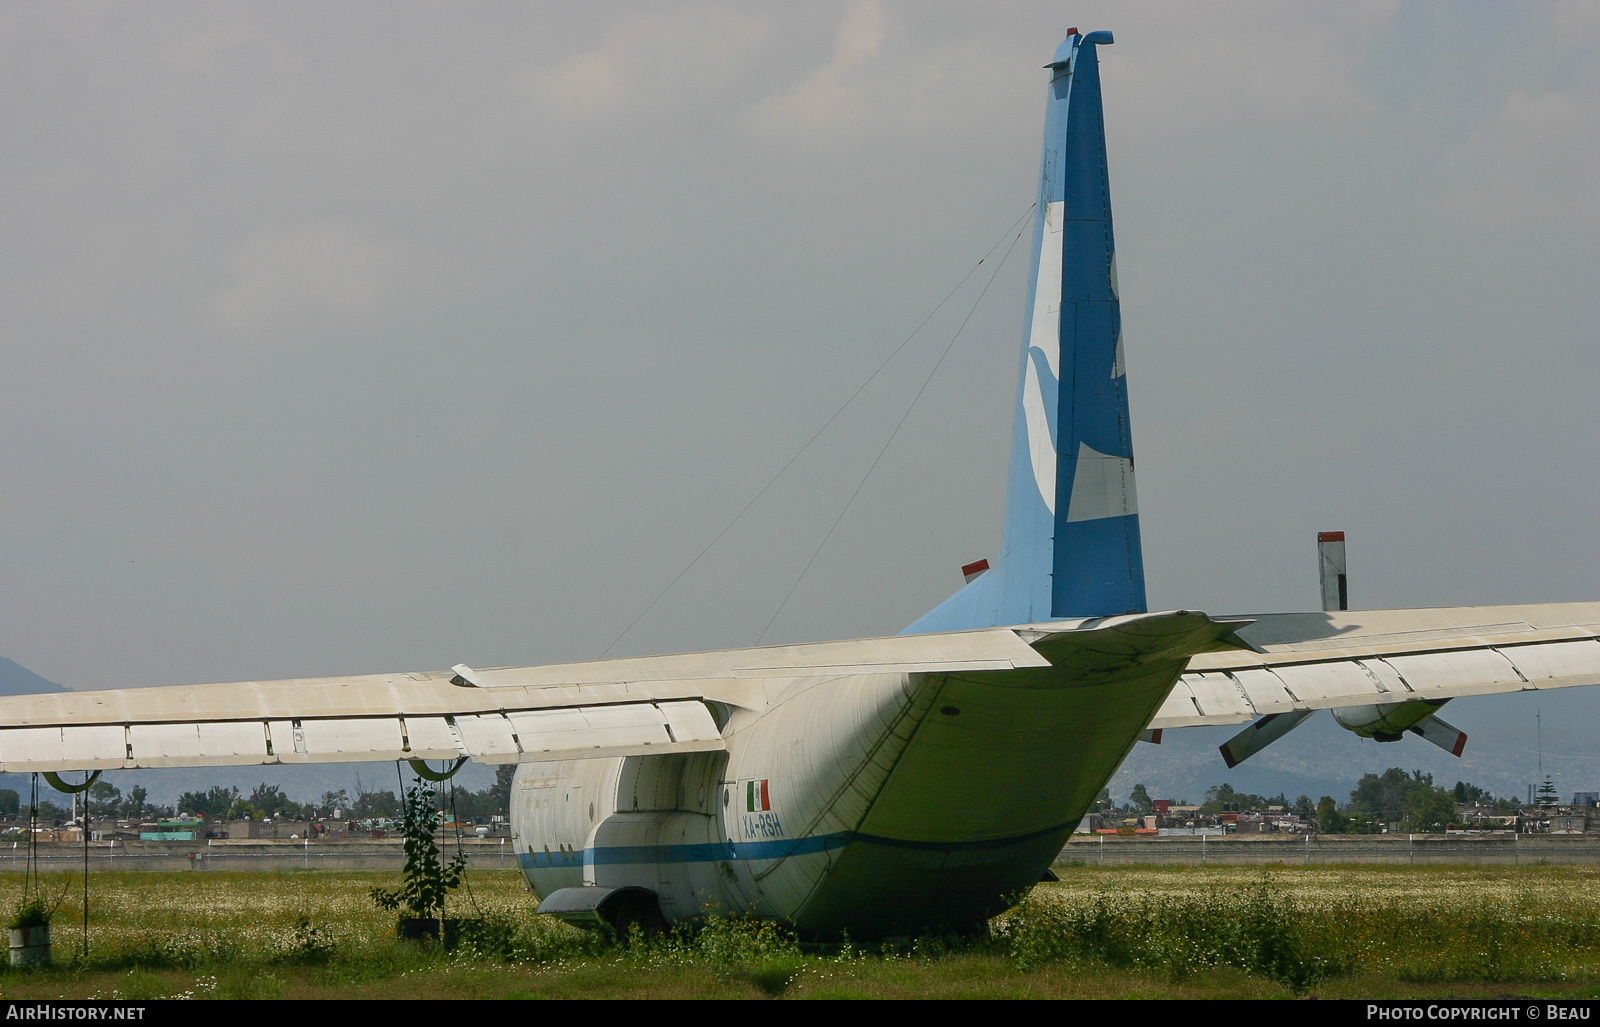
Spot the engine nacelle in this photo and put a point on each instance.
(1386, 722)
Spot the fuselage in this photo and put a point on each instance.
(873, 804)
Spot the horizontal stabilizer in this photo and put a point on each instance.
(1259, 735)
(1452, 740)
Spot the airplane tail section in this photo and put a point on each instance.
(1070, 546)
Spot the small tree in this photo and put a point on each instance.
(1140, 799)
(270, 801)
(500, 792)
(1223, 799)
(425, 879)
(104, 799)
(1328, 819)
(216, 802)
(1547, 793)
(1429, 809)
(371, 805)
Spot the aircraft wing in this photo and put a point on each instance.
(1313, 661)
(570, 711)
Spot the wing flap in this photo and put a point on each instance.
(1181, 710)
(1556, 664)
(630, 729)
(1457, 672)
(342, 740)
(1264, 690)
(433, 738)
(690, 722)
(1335, 659)
(1217, 695)
(1319, 685)
(64, 748)
(195, 745)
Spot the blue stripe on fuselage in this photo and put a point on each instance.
(717, 852)
(713, 852)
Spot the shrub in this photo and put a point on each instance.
(425, 879)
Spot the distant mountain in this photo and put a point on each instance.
(15, 679)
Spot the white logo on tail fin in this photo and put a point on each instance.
(1045, 336)
(1041, 447)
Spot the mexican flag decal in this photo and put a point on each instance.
(758, 822)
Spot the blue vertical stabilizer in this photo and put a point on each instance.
(1070, 547)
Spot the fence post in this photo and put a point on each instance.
(1202, 846)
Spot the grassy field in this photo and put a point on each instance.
(1120, 932)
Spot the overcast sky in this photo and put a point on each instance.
(341, 338)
